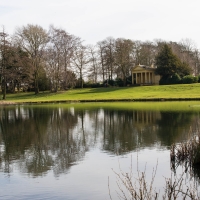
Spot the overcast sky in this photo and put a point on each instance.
(94, 20)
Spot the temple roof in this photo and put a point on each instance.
(143, 67)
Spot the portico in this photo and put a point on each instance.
(144, 75)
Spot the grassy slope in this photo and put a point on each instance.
(182, 91)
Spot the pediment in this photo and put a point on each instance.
(138, 68)
(142, 68)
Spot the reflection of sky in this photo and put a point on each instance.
(88, 179)
(87, 176)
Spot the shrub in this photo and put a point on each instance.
(174, 79)
(134, 186)
(198, 77)
(79, 83)
(129, 80)
(119, 82)
(163, 81)
(96, 85)
(108, 83)
(189, 79)
(92, 85)
(44, 83)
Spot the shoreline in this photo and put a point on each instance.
(4, 102)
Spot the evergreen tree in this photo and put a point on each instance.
(168, 64)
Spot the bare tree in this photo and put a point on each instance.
(124, 57)
(196, 56)
(33, 40)
(136, 52)
(188, 54)
(51, 68)
(59, 56)
(110, 60)
(80, 61)
(147, 53)
(94, 67)
(102, 58)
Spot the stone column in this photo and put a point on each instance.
(149, 77)
(135, 78)
(132, 78)
(143, 78)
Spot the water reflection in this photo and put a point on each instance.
(40, 139)
(36, 139)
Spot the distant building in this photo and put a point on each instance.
(144, 75)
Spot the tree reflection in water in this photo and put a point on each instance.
(40, 138)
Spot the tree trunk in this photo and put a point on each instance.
(4, 89)
(36, 84)
(81, 78)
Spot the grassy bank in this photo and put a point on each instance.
(161, 92)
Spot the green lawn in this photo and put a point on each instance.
(181, 91)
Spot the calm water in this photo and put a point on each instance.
(68, 152)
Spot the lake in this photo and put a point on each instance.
(70, 151)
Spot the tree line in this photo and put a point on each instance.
(36, 59)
